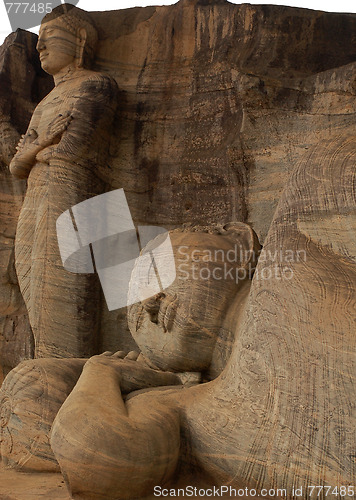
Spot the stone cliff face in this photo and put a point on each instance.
(283, 409)
(218, 102)
(226, 113)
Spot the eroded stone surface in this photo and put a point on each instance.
(294, 361)
(215, 110)
(21, 486)
(30, 398)
(226, 111)
(23, 84)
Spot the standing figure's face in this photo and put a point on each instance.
(56, 46)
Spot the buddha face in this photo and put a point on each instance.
(173, 329)
(177, 328)
(56, 47)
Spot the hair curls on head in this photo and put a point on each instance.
(71, 18)
(237, 233)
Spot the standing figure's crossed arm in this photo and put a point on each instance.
(31, 144)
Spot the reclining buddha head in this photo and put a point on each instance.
(177, 328)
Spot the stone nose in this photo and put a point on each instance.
(40, 44)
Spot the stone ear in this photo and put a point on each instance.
(81, 41)
(247, 240)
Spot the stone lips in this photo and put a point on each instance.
(178, 328)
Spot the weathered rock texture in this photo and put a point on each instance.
(30, 398)
(283, 411)
(20, 486)
(64, 157)
(23, 84)
(190, 327)
(225, 111)
(217, 103)
(185, 328)
(220, 100)
(289, 417)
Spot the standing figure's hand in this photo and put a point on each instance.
(54, 130)
(26, 139)
(32, 146)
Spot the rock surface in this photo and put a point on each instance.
(289, 417)
(30, 398)
(242, 113)
(44, 486)
(21, 486)
(23, 84)
(217, 106)
(282, 413)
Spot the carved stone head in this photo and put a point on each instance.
(177, 329)
(67, 37)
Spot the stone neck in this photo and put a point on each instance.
(67, 74)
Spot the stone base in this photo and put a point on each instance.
(43, 486)
(37, 486)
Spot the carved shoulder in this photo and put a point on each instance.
(98, 84)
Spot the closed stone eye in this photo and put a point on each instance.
(168, 311)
